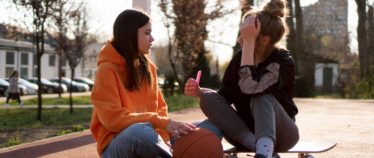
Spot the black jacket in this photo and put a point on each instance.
(281, 63)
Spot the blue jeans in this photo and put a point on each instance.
(140, 140)
(204, 124)
(137, 140)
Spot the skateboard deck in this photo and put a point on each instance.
(303, 148)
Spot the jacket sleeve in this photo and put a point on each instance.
(107, 103)
(276, 77)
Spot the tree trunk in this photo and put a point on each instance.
(172, 63)
(361, 34)
(38, 74)
(291, 39)
(245, 8)
(371, 40)
(59, 72)
(71, 90)
(299, 41)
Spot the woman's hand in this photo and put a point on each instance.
(248, 29)
(249, 33)
(192, 88)
(178, 128)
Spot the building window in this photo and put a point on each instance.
(63, 61)
(10, 58)
(35, 74)
(24, 59)
(34, 59)
(52, 60)
(24, 72)
(9, 71)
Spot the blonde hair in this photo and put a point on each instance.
(271, 17)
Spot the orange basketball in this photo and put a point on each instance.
(200, 143)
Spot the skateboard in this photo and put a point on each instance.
(302, 148)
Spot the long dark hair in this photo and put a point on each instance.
(14, 73)
(125, 34)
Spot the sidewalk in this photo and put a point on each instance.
(348, 122)
(3, 99)
(45, 106)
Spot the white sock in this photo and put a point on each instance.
(248, 140)
(265, 146)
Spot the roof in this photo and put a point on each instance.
(6, 44)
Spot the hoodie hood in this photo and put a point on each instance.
(109, 54)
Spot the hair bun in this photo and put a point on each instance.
(275, 8)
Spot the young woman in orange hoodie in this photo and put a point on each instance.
(129, 117)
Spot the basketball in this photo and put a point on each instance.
(200, 143)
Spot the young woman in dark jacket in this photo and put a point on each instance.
(259, 82)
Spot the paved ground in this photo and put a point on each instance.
(3, 99)
(46, 106)
(348, 122)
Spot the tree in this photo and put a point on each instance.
(41, 11)
(76, 52)
(291, 39)
(362, 40)
(61, 18)
(187, 48)
(371, 39)
(246, 5)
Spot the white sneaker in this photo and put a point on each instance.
(6, 104)
(21, 104)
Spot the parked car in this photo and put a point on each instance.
(3, 87)
(85, 80)
(48, 86)
(77, 87)
(22, 88)
(30, 87)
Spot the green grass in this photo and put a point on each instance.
(75, 128)
(180, 102)
(77, 100)
(13, 140)
(14, 119)
(26, 118)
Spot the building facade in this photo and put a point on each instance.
(327, 17)
(21, 56)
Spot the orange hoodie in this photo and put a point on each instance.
(116, 108)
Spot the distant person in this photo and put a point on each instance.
(13, 91)
(130, 116)
(259, 82)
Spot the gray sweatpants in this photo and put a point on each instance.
(270, 119)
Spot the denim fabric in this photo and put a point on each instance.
(270, 119)
(203, 124)
(137, 140)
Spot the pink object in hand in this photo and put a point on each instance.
(198, 76)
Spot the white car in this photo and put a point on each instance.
(22, 88)
(31, 88)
